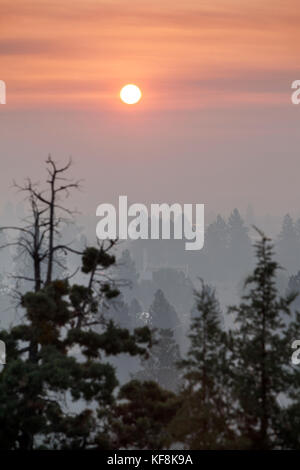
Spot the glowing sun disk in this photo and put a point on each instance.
(130, 94)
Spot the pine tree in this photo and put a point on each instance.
(294, 288)
(161, 365)
(176, 286)
(203, 420)
(216, 249)
(118, 311)
(262, 351)
(56, 388)
(162, 313)
(141, 416)
(288, 245)
(239, 246)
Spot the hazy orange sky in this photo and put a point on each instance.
(183, 54)
(215, 122)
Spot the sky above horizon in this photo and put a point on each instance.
(215, 124)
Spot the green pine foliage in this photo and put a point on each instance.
(203, 419)
(141, 418)
(55, 353)
(263, 375)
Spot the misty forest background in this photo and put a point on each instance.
(142, 344)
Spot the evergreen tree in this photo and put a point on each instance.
(162, 313)
(66, 359)
(118, 311)
(142, 415)
(294, 288)
(216, 249)
(161, 365)
(288, 245)
(126, 273)
(262, 352)
(176, 286)
(239, 246)
(203, 420)
(56, 389)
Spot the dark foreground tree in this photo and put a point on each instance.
(56, 387)
(264, 377)
(141, 418)
(203, 420)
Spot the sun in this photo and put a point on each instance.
(130, 94)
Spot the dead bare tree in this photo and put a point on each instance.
(39, 237)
